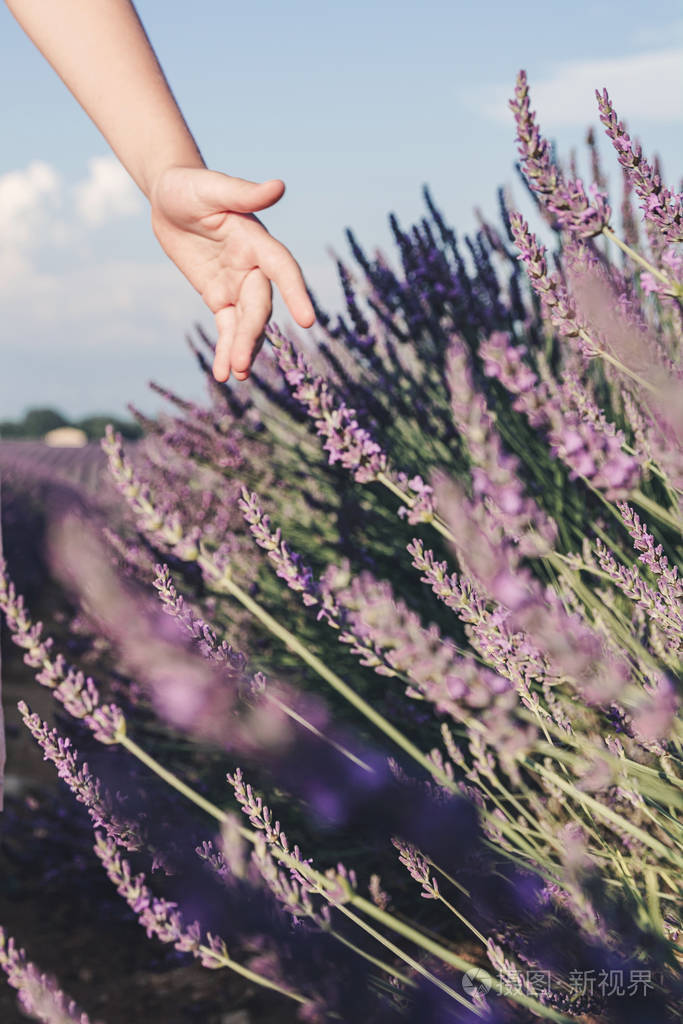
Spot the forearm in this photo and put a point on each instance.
(101, 52)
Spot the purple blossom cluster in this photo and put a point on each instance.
(577, 430)
(345, 441)
(531, 782)
(160, 918)
(567, 201)
(39, 995)
(106, 810)
(76, 692)
(548, 285)
(418, 869)
(652, 555)
(667, 615)
(660, 205)
(380, 628)
(495, 472)
(289, 565)
(295, 887)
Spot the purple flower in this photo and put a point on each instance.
(577, 430)
(390, 637)
(103, 808)
(379, 628)
(289, 566)
(495, 472)
(77, 693)
(662, 604)
(421, 508)
(417, 868)
(346, 441)
(337, 886)
(158, 917)
(39, 994)
(658, 711)
(557, 303)
(660, 205)
(567, 202)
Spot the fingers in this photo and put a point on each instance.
(279, 265)
(240, 328)
(225, 322)
(216, 193)
(222, 192)
(253, 312)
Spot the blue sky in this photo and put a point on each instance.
(354, 105)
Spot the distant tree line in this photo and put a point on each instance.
(37, 422)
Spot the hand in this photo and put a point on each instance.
(204, 221)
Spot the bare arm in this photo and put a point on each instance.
(203, 219)
(101, 52)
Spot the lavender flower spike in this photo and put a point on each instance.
(417, 867)
(163, 919)
(660, 205)
(85, 786)
(289, 565)
(158, 917)
(567, 202)
(39, 995)
(555, 298)
(345, 440)
(78, 693)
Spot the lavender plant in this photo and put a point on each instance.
(469, 497)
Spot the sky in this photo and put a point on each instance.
(355, 106)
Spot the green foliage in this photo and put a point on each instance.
(36, 423)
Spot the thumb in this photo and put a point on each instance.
(223, 192)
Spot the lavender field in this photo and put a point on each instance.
(358, 687)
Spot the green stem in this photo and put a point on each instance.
(453, 959)
(226, 961)
(449, 878)
(653, 508)
(436, 522)
(590, 602)
(621, 367)
(461, 917)
(415, 964)
(291, 713)
(652, 898)
(532, 849)
(588, 599)
(637, 258)
(171, 779)
(387, 968)
(215, 812)
(605, 812)
(324, 883)
(647, 781)
(222, 582)
(661, 895)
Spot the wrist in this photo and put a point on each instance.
(153, 174)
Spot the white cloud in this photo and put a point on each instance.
(41, 216)
(644, 87)
(26, 199)
(104, 303)
(107, 193)
(59, 284)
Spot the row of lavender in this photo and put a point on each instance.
(492, 529)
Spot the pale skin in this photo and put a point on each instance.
(203, 219)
